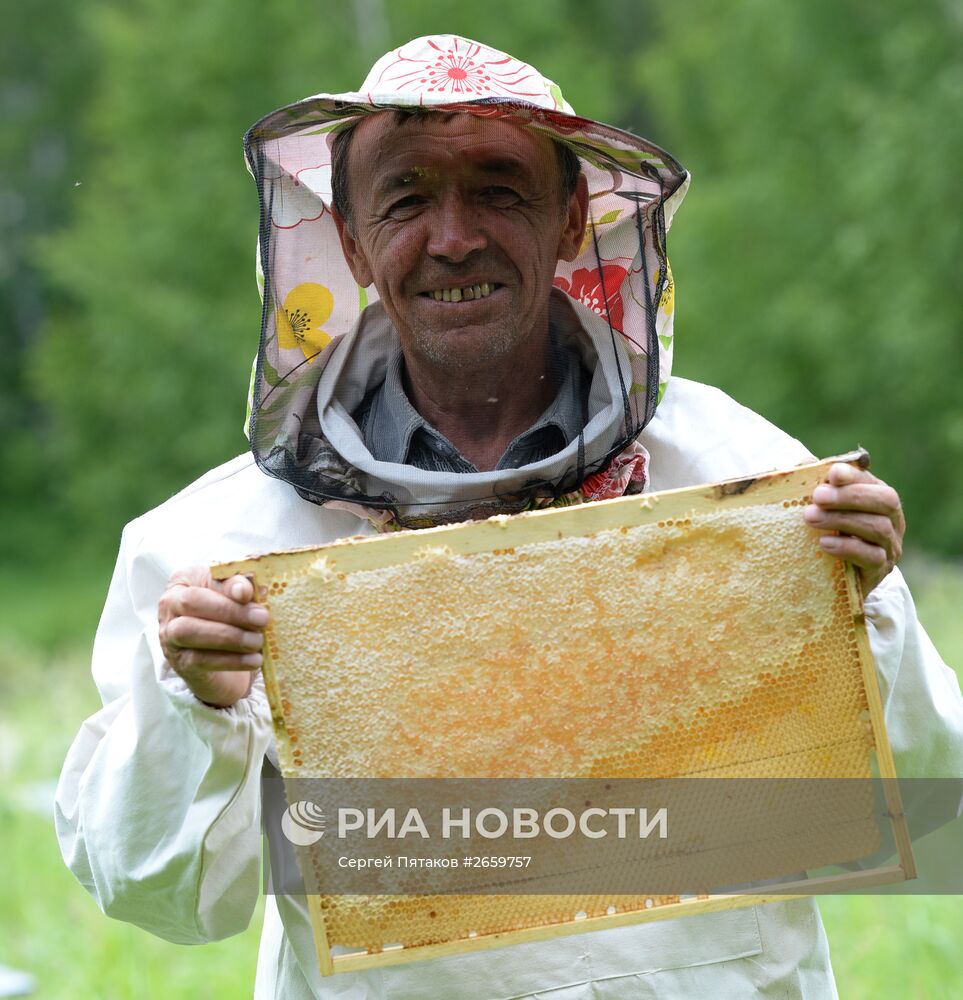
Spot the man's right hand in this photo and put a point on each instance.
(212, 633)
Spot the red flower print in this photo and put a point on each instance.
(626, 473)
(567, 124)
(460, 68)
(586, 287)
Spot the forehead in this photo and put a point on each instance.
(386, 142)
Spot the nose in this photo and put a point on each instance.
(454, 229)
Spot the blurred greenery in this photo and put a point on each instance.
(49, 925)
(816, 260)
(818, 257)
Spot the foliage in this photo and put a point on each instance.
(44, 81)
(818, 250)
(50, 926)
(815, 255)
(143, 367)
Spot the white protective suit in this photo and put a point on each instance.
(158, 805)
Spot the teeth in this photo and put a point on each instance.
(467, 294)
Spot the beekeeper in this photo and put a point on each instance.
(467, 310)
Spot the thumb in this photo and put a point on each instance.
(238, 588)
(842, 474)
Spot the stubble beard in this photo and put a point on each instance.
(454, 352)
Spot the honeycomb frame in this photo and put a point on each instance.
(691, 520)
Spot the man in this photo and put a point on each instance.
(516, 357)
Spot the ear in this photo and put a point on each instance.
(576, 215)
(353, 254)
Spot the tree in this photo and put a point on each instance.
(817, 254)
(144, 365)
(44, 81)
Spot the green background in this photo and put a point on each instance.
(817, 262)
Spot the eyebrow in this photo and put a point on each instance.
(398, 181)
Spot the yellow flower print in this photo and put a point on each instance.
(299, 321)
(667, 302)
(606, 220)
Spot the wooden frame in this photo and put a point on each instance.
(790, 489)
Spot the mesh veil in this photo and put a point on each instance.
(326, 343)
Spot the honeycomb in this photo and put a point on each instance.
(697, 633)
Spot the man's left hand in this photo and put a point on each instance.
(863, 520)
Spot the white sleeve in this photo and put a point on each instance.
(158, 804)
(921, 694)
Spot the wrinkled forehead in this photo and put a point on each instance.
(447, 141)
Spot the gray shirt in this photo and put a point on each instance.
(394, 431)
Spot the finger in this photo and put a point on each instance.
(874, 528)
(863, 554)
(199, 633)
(193, 662)
(190, 576)
(842, 474)
(238, 588)
(873, 498)
(199, 602)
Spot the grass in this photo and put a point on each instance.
(899, 947)
(48, 925)
(904, 947)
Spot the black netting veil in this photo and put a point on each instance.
(344, 364)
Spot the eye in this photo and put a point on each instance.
(406, 206)
(500, 196)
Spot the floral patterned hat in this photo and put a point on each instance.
(620, 284)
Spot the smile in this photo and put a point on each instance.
(466, 294)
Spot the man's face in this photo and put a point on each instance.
(459, 222)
